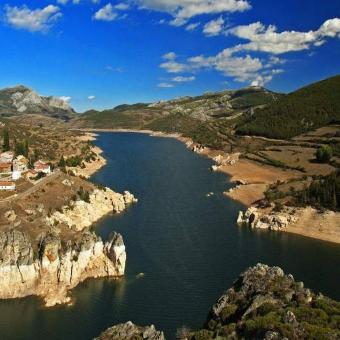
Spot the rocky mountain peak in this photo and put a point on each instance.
(20, 99)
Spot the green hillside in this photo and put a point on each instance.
(307, 109)
(167, 115)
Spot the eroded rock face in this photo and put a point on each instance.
(23, 100)
(83, 214)
(254, 218)
(129, 331)
(55, 268)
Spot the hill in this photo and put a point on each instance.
(306, 109)
(207, 107)
(21, 100)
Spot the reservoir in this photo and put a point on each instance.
(183, 248)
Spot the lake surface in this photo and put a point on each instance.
(187, 245)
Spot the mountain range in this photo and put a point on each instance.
(248, 111)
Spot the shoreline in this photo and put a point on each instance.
(254, 178)
(92, 167)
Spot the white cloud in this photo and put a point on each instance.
(242, 68)
(122, 6)
(37, 20)
(173, 66)
(181, 79)
(268, 39)
(66, 99)
(75, 2)
(183, 10)
(106, 13)
(91, 97)
(165, 85)
(214, 27)
(169, 56)
(192, 27)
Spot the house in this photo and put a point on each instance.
(5, 168)
(31, 174)
(6, 157)
(7, 185)
(40, 166)
(20, 164)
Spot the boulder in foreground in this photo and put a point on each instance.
(129, 331)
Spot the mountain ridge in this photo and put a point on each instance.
(21, 100)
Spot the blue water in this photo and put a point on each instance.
(187, 245)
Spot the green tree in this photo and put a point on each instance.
(19, 148)
(26, 148)
(62, 162)
(5, 145)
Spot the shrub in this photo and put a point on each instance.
(83, 195)
(324, 154)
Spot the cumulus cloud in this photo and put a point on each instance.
(66, 99)
(183, 10)
(191, 27)
(106, 13)
(268, 39)
(91, 97)
(214, 27)
(33, 20)
(165, 85)
(169, 56)
(181, 79)
(242, 68)
(172, 66)
(122, 6)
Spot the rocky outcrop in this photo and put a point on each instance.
(255, 218)
(263, 303)
(80, 214)
(22, 100)
(266, 303)
(129, 331)
(52, 267)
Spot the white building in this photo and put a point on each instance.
(16, 175)
(6, 157)
(7, 185)
(20, 164)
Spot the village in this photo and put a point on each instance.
(14, 169)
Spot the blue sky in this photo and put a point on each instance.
(101, 53)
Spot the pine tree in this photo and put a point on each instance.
(62, 162)
(5, 145)
(26, 148)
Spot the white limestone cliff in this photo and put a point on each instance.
(55, 268)
(81, 214)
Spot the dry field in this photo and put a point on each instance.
(32, 209)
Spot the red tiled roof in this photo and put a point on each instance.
(3, 184)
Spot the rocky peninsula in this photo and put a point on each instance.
(263, 303)
(47, 240)
(306, 221)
